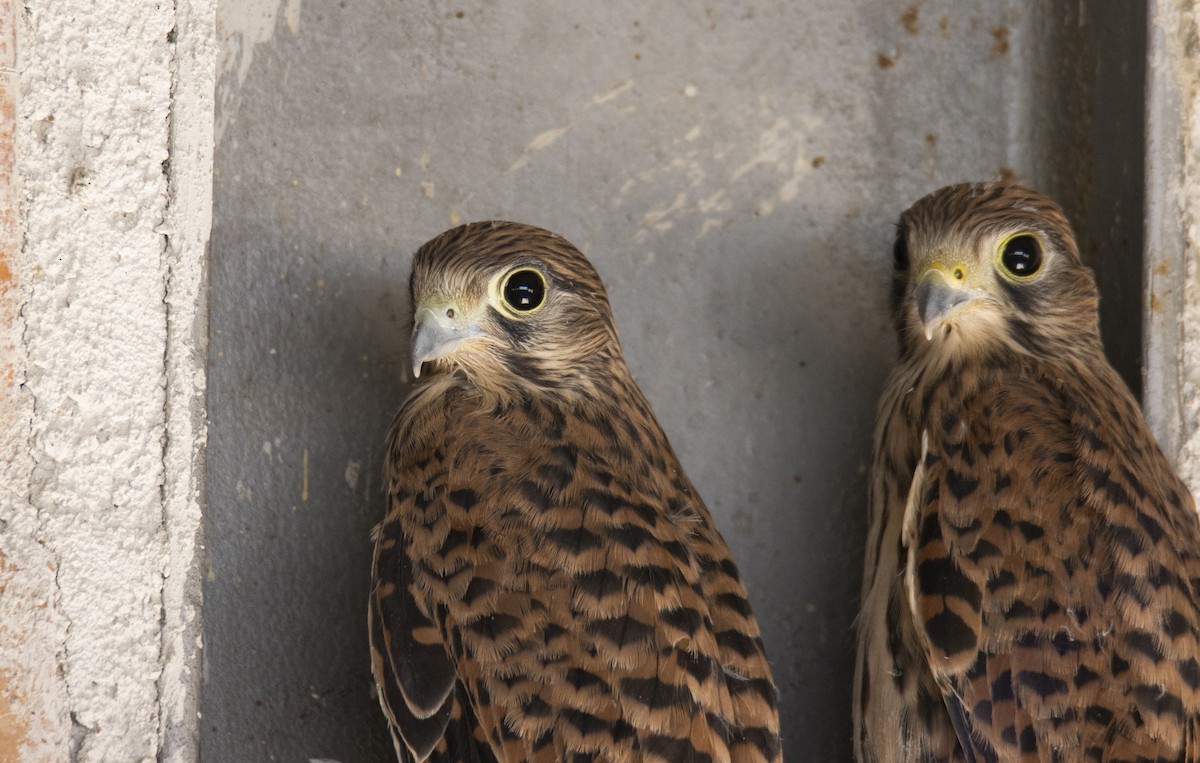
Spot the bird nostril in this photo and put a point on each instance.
(958, 273)
(449, 312)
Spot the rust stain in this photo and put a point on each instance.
(931, 139)
(818, 160)
(1006, 174)
(304, 479)
(1155, 303)
(909, 19)
(13, 728)
(10, 237)
(885, 61)
(1162, 269)
(1000, 45)
(944, 26)
(14, 720)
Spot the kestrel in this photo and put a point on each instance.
(1031, 582)
(548, 585)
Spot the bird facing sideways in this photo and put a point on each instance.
(547, 584)
(1031, 577)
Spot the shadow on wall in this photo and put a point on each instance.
(309, 368)
(811, 351)
(1089, 120)
(302, 370)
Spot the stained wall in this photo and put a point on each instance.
(732, 169)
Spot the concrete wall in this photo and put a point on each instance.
(105, 149)
(732, 169)
(1172, 291)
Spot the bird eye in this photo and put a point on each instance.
(900, 251)
(1022, 255)
(524, 290)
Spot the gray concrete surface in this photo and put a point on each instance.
(732, 169)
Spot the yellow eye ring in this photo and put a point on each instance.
(523, 291)
(1020, 255)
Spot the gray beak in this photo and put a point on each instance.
(439, 328)
(936, 298)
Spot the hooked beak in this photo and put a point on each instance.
(937, 296)
(439, 327)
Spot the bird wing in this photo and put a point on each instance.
(754, 713)
(583, 616)
(610, 626)
(1045, 574)
(412, 670)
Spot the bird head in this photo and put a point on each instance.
(979, 266)
(509, 306)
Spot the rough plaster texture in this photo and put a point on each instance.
(32, 721)
(187, 227)
(104, 359)
(732, 169)
(1173, 227)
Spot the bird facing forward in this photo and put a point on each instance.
(1030, 590)
(547, 584)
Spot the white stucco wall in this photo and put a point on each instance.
(104, 425)
(1172, 398)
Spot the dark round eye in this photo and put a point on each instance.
(524, 290)
(900, 251)
(1022, 255)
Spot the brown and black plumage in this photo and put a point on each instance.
(548, 586)
(1031, 581)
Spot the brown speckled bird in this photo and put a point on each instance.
(1031, 579)
(548, 586)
